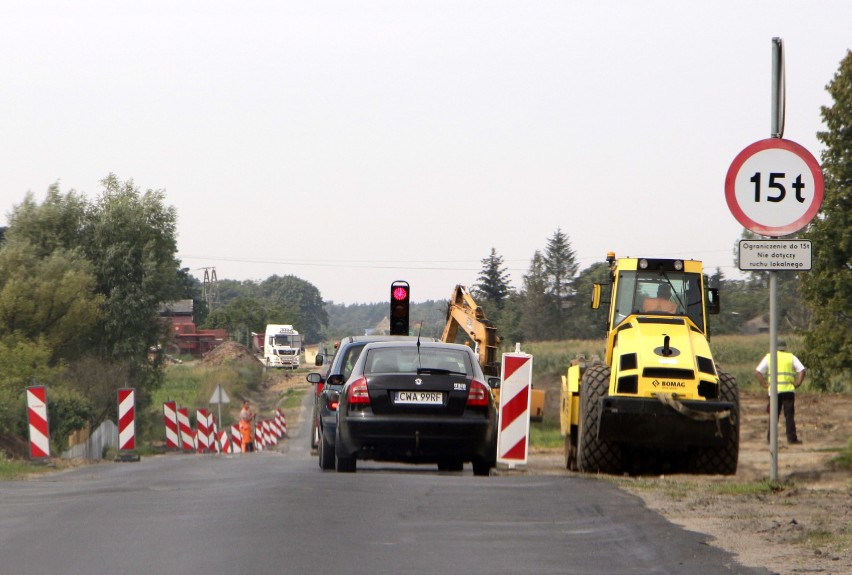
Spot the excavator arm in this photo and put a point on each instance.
(463, 312)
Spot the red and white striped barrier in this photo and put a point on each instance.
(170, 420)
(268, 434)
(277, 431)
(186, 436)
(282, 422)
(37, 419)
(514, 421)
(224, 442)
(126, 419)
(236, 439)
(202, 424)
(259, 439)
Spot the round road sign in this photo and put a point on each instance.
(774, 187)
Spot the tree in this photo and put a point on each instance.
(240, 316)
(296, 302)
(585, 322)
(119, 249)
(536, 322)
(492, 286)
(52, 297)
(560, 267)
(828, 286)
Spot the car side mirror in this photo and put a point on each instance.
(335, 379)
(494, 382)
(314, 377)
(319, 359)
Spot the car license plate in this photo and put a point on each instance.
(419, 397)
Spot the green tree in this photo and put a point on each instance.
(128, 241)
(492, 287)
(52, 297)
(828, 286)
(585, 322)
(295, 301)
(536, 322)
(560, 267)
(240, 316)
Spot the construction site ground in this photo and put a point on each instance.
(805, 526)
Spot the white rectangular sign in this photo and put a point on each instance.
(775, 255)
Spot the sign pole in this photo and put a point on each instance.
(773, 376)
(779, 87)
(774, 188)
(219, 403)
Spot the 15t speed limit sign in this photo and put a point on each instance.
(774, 187)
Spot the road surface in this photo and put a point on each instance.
(276, 512)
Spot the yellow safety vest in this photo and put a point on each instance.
(786, 371)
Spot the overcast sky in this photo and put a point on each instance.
(354, 143)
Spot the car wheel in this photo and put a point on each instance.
(481, 467)
(326, 454)
(314, 436)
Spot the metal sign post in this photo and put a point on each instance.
(774, 187)
(219, 397)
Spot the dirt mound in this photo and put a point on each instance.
(228, 352)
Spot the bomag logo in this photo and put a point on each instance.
(668, 383)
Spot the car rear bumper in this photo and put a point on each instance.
(648, 421)
(416, 439)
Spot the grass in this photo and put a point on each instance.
(17, 468)
(844, 459)
(546, 435)
(290, 399)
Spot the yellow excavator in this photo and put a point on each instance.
(464, 313)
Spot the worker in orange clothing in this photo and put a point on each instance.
(246, 426)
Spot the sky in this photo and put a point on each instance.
(355, 143)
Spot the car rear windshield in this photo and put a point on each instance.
(410, 360)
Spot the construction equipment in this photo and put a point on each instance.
(463, 312)
(658, 402)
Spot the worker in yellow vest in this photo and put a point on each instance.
(791, 374)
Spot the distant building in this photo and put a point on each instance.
(186, 339)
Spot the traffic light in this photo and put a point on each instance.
(400, 293)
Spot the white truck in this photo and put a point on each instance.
(282, 346)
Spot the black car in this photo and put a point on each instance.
(417, 402)
(329, 382)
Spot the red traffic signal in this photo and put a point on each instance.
(400, 294)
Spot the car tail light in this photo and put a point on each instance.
(332, 405)
(479, 395)
(358, 393)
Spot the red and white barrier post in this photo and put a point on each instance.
(186, 437)
(170, 421)
(127, 425)
(282, 421)
(514, 421)
(37, 419)
(236, 439)
(202, 422)
(259, 439)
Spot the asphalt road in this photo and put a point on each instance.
(278, 513)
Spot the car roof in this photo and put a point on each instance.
(431, 344)
(388, 338)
